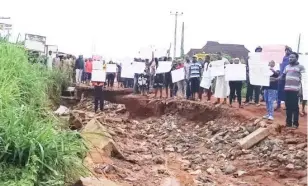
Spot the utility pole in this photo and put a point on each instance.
(299, 43)
(182, 42)
(176, 14)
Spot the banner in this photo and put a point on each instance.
(98, 76)
(97, 58)
(35, 42)
(177, 75)
(112, 68)
(235, 72)
(163, 67)
(217, 68)
(138, 67)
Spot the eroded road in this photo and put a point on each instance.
(178, 142)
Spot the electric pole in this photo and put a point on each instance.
(182, 42)
(176, 14)
(299, 43)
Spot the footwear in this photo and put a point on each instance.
(288, 125)
(270, 118)
(295, 126)
(266, 117)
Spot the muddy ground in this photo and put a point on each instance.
(178, 142)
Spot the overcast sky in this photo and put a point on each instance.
(119, 28)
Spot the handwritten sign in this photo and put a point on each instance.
(177, 75)
(97, 65)
(206, 80)
(98, 76)
(235, 72)
(259, 72)
(111, 68)
(138, 67)
(217, 68)
(127, 71)
(273, 52)
(163, 67)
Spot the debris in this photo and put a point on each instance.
(62, 111)
(254, 138)
(170, 182)
(211, 171)
(240, 172)
(290, 166)
(230, 169)
(90, 181)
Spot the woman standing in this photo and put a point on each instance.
(236, 86)
(158, 81)
(222, 89)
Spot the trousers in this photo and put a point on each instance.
(235, 86)
(292, 110)
(270, 95)
(98, 98)
(78, 75)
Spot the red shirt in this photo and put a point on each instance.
(88, 66)
(180, 66)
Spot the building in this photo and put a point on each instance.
(234, 50)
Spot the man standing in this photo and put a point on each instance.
(281, 83)
(292, 75)
(49, 60)
(187, 85)
(194, 77)
(79, 65)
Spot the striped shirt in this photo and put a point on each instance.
(194, 70)
(293, 77)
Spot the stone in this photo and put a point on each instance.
(257, 121)
(254, 138)
(171, 181)
(291, 141)
(240, 172)
(211, 171)
(290, 166)
(230, 169)
(89, 181)
(303, 181)
(75, 122)
(159, 160)
(301, 145)
(196, 172)
(99, 141)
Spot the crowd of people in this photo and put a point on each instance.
(285, 85)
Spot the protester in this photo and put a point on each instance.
(88, 69)
(222, 89)
(208, 91)
(143, 82)
(168, 81)
(252, 89)
(98, 96)
(49, 60)
(304, 103)
(119, 79)
(292, 75)
(270, 92)
(79, 65)
(194, 77)
(236, 86)
(181, 84)
(187, 84)
(158, 81)
(281, 83)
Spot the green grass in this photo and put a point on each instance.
(33, 151)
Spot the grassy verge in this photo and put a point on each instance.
(32, 151)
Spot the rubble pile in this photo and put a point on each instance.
(190, 151)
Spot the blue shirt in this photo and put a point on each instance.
(194, 70)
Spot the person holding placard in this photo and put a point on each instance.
(222, 89)
(194, 77)
(235, 86)
(270, 93)
(206, 68)
(158, 81)
(292, 75)
(168, 81)
(98, 96)
(88, 69)
(79, 65)
(187, 85)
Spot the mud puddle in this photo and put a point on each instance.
(178, 142)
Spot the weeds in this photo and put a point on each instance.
(32, 151)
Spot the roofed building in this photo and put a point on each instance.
(234, 50)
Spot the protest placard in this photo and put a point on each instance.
(206, 80)
(163, 67)
(217, 68)
(259, 72)
(177, 75)
(127, 71)
(111, 68)
(98, 75)
(235, 72)
(273, 52)
(138, 67)
(97, 65)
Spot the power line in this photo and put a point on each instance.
(176, 14)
